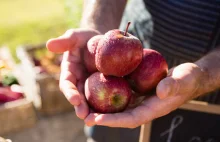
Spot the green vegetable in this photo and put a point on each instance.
(9, 80)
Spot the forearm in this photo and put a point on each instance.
(102, 15)
(210, 65)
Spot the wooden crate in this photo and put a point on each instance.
(19, 114)
(47, 97)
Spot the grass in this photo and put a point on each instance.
(35, 21)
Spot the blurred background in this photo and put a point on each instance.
(32, 108)
(35, 21)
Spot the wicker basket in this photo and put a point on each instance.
(19, 114)
(47, 97)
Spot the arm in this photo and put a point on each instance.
(210, 64)
(98, 16)
(102, 15)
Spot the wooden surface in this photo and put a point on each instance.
(145, 133)
(64, 127)
(17, 115)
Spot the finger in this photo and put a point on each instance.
(60, 44)
(72, 82)
(82, 110)
(89, 121)
(167, 87)
(126, 119)
(63, 43)
(71, 73)
(183, 80)
(70, 40)
(68, 80)
(151, 108)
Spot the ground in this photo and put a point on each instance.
(65, 127)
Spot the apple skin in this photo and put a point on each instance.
(118, 55)
(148, 74)
(107, 94)
(89, 53)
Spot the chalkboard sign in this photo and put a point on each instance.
(192, 122)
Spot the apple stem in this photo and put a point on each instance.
(127, 28)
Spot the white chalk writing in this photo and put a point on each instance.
(176, 121)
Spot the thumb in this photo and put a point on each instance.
(184, 79)
(59, 45)
(169, 86)
(71, 39)
(62, 43)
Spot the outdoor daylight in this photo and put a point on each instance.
(109, 71)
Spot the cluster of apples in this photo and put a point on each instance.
(47, 63)
(120, 71)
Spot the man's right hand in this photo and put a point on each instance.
(73, 73)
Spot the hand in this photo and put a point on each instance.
(182, 84)
(73, 74)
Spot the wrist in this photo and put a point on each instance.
(92, 26)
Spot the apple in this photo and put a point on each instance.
(107, 94)
(11, 93)
(89, 53)
(118, 53)
(148, 74)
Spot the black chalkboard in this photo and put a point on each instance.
(186, 126)
(193, 122)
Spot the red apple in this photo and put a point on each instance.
(107, 94)
(11, 93)
(89, 53)
(148, 74)
(118, 53)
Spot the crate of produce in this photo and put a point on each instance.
(16, 111)
(43, 68)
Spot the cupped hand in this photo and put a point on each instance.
(182, 84)
(73, 73)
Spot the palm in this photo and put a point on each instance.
(73, 73)
(186, 78)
